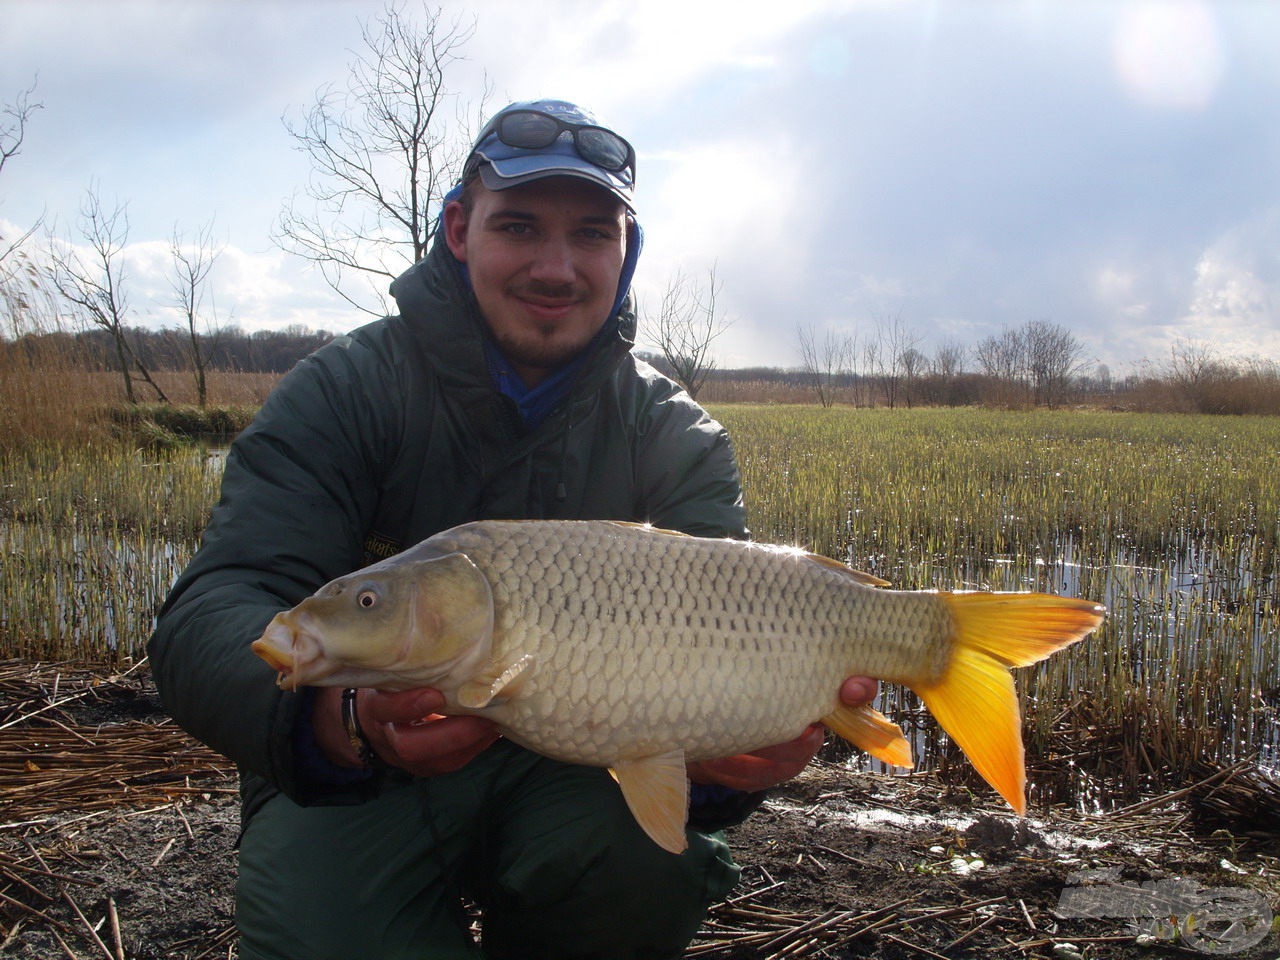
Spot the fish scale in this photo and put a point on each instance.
(729, 671)
(638, 649)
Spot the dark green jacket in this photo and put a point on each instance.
(381, 439)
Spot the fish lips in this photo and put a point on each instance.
(293, 652)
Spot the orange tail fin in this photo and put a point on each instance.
(975, 700)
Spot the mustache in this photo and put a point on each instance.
(538, 289)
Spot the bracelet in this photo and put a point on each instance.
(351, 723)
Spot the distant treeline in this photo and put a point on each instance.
(230, 349)
(1193, 380)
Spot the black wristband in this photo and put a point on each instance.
(351, 723)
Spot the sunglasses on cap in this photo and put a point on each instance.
(535, 130)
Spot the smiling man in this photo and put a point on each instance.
(544, 260)
(504, 388)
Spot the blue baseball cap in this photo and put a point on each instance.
(533, 139)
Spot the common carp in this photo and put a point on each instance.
(639, 649)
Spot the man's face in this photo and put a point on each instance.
(545, 259)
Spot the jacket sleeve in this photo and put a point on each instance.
(299, 487)
(687, 472)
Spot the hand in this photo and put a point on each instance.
(770, 766)
(404, 730)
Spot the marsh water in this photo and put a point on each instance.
(1172, 524)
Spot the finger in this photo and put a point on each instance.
(856, 691)
(749, 773)
(736, 773)
(764, 768)
(801, 748)
(400, 706)
(439, 745)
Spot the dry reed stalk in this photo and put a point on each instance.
(49, 763)
(50, 770)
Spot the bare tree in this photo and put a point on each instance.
(687, 324)
(948, 360)
(1053, 358)
(13, 130)
(191, 267)
(94, 286)
(1196, 372)
(941, 383)
(894, 344)
(913, 364)
(1193, 363)
(826, 360)
(1002, 359)
(383, 152)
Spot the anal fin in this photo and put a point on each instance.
(657, 792)
(870, 730)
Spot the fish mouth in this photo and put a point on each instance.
(291, 651)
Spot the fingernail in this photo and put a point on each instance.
(428, 703)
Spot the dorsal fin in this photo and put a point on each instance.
(647, 528)
(866, 579)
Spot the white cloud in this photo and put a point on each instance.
(971, 165)
(1235, 297)
(1170, 53)
(623, 58)
(1116, 289)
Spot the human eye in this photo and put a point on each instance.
(598, 234)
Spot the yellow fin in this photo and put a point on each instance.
(1019, 629)
(657, 792)
(870, 730)
(975, 700)
(495, 683)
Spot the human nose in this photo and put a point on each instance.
(553, 262)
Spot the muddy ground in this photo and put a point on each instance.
(133, 856)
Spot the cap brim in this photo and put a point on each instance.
(502, 174)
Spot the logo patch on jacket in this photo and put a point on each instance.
(378, 547)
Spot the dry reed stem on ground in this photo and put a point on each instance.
(50, 764)
(90, 773)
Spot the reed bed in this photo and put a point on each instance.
(49, 396)
(91, 538)
(1171, 520)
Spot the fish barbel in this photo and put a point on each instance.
(638, 649)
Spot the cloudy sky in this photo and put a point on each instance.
(962, 166)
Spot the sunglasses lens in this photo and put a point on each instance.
(527, 130)
(534, 130)
(603, 148)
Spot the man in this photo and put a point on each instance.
(504, 389)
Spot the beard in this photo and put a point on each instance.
(542, 346)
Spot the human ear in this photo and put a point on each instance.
(455, 230)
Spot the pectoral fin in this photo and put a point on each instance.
(497, 682)
(870, 730)
(657, 792)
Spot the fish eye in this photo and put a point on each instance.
(367, 598)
